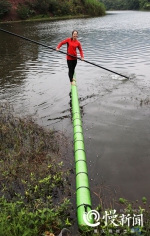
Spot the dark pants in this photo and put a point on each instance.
(71, 66)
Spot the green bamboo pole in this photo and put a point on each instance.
(83, 197)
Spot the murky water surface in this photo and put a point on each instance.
(115, 110)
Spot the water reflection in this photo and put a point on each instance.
(13, 57)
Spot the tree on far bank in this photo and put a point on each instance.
(126, 4)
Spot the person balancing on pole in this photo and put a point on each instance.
(72, 45)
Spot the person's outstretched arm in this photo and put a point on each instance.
(81, 51)
(61, 43)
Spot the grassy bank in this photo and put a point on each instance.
(23, 10)
(34, 186)
(46, 18)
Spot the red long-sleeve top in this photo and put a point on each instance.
(71, 48)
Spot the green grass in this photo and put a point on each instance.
(34, 186)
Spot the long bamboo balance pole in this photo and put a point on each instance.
(83, 197)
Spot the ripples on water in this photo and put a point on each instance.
(115, 114)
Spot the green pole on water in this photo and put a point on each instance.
(83, 197)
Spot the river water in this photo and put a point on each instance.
(115, 110)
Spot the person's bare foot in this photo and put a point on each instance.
(72, 83)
